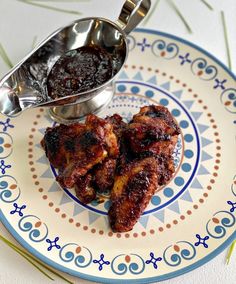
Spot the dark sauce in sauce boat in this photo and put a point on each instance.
(79, 70)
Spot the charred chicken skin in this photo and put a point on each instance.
(58, 143)
(77, 148)
(104, 174)
(153, 130)
(145, 164)
(131, 193)
(84, 189)
(119, 126)
(133, 160)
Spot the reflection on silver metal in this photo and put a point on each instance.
(25, 85)
(70, 113)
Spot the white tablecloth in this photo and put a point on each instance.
(18, 27)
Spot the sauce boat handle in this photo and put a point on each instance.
(132, 13)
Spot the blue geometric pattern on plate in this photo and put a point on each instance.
(122, 264)
(201, 241)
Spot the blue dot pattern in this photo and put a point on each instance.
(175, 112)
(188, 138)
(156, 200)
(1, 142)
(164, 102)
(121, 88)
(135, 90)
(107, 204)
(168, 192)
(149, 94)
(188, 154)
(179, 181)
(186, 167)
(184, 124)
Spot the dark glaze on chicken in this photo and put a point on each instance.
(132, 160)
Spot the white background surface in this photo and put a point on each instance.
(18, 26)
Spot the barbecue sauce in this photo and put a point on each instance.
(79, 70)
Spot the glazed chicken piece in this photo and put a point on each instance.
(145, 164)
(143, 138)
(133, 188)
(153, 130)
(118, 125)
(132, 160)
(79, 152)
(84, 189)
(58, 143)
(104, 175)
(166, 167)
(77, 148)
(105, 129)
(158, 115)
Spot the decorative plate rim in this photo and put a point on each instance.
(163, 277)
(112, 280)
(151, 31)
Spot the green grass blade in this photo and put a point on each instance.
(230, 252)
(207, 4)
(34, 41)
(30, 2)
(226, 40)
(34, 259)
(65, 1)
(176, 9)
(5, 57)
(149, 15)
(35, 265)
(28, 259)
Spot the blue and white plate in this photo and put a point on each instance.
(186, 224)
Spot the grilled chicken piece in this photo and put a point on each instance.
(133, 188)
(133, 159)
(159, 116)
(153, 130)
(80, 165)
(167, 169)
(145, 164)
(104, 175)
(119, 127)
(118, 124)
(84, 189)
(58, 143)
(105, 128)
(77, 148)
(147, 138)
